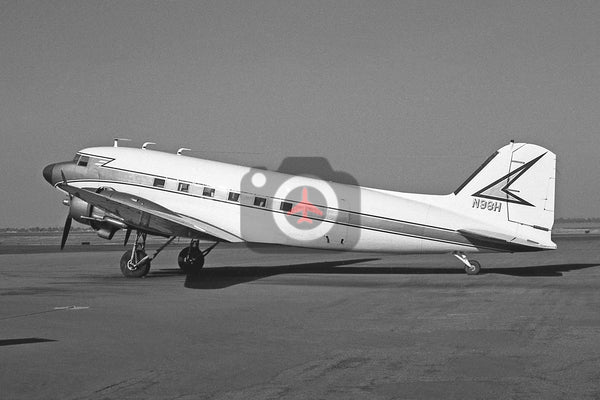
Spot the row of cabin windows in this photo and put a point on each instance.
(183, 187)
(232, 196)
(83, 161)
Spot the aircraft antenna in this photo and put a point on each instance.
(182, 150)
(145, 145)
(116, 141)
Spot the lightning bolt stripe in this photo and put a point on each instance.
(510, 196)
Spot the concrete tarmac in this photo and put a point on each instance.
(297, 324)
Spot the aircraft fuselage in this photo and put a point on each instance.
(257, 206)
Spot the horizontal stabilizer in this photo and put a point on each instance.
(484, 235)
(503, 241)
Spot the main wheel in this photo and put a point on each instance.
(190, 259)
(474, 269)
(128, 268)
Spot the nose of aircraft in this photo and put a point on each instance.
(47, 172)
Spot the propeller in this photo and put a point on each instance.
(67, 227)
(66, 230)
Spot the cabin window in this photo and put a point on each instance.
(158, 182)
(209, 192)
(83, 161)
(260, 201)
(183, 187)
(285, 206)
(233, 196)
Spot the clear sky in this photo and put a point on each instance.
(403, 95)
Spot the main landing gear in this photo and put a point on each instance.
(472, 267)
(135, 263)
(191, 258)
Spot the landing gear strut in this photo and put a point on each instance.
(136, 263)
(191, 258)
(472, 267)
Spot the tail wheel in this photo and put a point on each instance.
(474, 268)
(190, 259)
(128, 264)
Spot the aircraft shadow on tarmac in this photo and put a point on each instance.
(222, 277)
(13, 342)
(538, 270)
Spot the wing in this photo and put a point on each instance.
(486, 235)
(142, 214)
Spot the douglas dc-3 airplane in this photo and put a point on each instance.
(507, 205)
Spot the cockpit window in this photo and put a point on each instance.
(83, 161)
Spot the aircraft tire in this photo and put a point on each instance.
(140, 271)
(474, 269)
(190, 262)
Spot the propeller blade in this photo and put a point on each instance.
(66, 230)
(127, 237)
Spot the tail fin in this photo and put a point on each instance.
(516, 185)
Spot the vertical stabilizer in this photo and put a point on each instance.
(514, 186)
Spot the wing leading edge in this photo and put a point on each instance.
(139, 213)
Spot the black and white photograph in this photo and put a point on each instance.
(272, 199)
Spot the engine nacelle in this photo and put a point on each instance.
(87, 214)
(80, 211)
